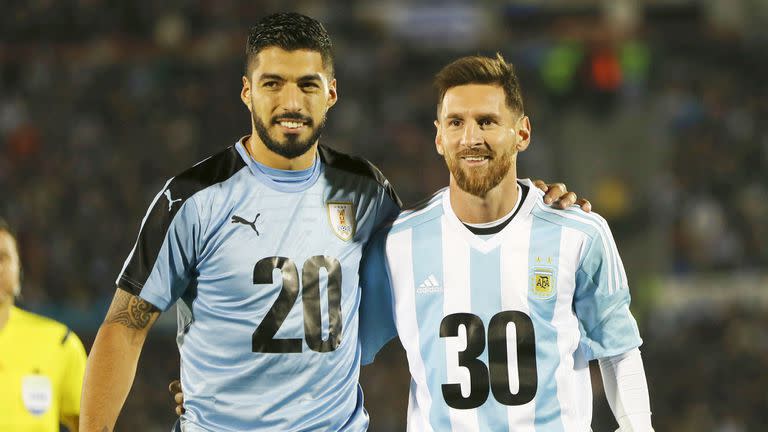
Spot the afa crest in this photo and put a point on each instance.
(341, 216)
(543, 285)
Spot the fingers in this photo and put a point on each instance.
(174, 386)
(556, 191)
(584, 204)
(178, 397)
(541, 184)
(565, 201)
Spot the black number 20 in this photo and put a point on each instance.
(494, 377)
(263, 340)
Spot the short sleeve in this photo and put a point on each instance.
(72, 379)
(377, 323)
(160, 266)
(601, 300)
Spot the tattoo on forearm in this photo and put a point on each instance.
(106, 429)
(130, 311)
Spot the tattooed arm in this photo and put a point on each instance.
(112, 362)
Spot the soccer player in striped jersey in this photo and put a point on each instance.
(259, 246)
(500, 301)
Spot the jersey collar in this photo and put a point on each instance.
(271, 181)
(487, 245)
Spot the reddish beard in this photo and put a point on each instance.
(478, 181)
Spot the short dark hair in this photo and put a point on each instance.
(481, 70)
(290, 31)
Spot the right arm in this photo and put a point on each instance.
(111, 365)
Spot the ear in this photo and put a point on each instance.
(333, 94)
(245, 93)
(438, 139)
(523, 133)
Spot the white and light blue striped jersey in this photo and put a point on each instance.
(265, 276)
(499, 330)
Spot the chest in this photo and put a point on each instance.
(29, 367)
(437, 272)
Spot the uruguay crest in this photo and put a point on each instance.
(341, 216)
(543, 283)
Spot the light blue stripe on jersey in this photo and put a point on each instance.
(485, 283)
(544, 252)
(427, 260)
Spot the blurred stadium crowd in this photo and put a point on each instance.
(657, 113)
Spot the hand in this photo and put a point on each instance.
(178, 396)
(557, 195)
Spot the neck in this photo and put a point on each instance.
(263, 155)
(498, 202)
(5, 311)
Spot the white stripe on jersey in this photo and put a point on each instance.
(574, 396)
(143, 221)
(400, 262)
(457, 297)
(514, 296)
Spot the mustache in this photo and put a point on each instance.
(293, 116)
(475, 153)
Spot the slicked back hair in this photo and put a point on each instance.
(481, 70)
(290, 31)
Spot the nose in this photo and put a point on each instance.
(471, 135)
(291, 97)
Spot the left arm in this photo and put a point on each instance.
(627, 391)
(609, 331)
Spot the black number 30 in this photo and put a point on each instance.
(495, 377)
(263, 340)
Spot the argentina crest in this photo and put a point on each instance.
(543, 284)
(341, 216)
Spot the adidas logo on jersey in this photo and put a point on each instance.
(429, 286)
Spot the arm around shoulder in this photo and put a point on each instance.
(111, 366)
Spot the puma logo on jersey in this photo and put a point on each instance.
(238, 219)
(171, 201)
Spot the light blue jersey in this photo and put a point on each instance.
(499, 329)
(265, 273)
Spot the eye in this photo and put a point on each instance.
(270, 84)
(309, 86)
(486, 122)
(455, 123)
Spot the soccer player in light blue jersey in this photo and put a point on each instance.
(259, 246)
(499, 301)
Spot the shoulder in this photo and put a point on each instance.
(424, 211)
(213, 170)
(357, 166)
(591, 224)
(40, 326)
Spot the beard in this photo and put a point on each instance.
(291, 147)
(479, 181)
